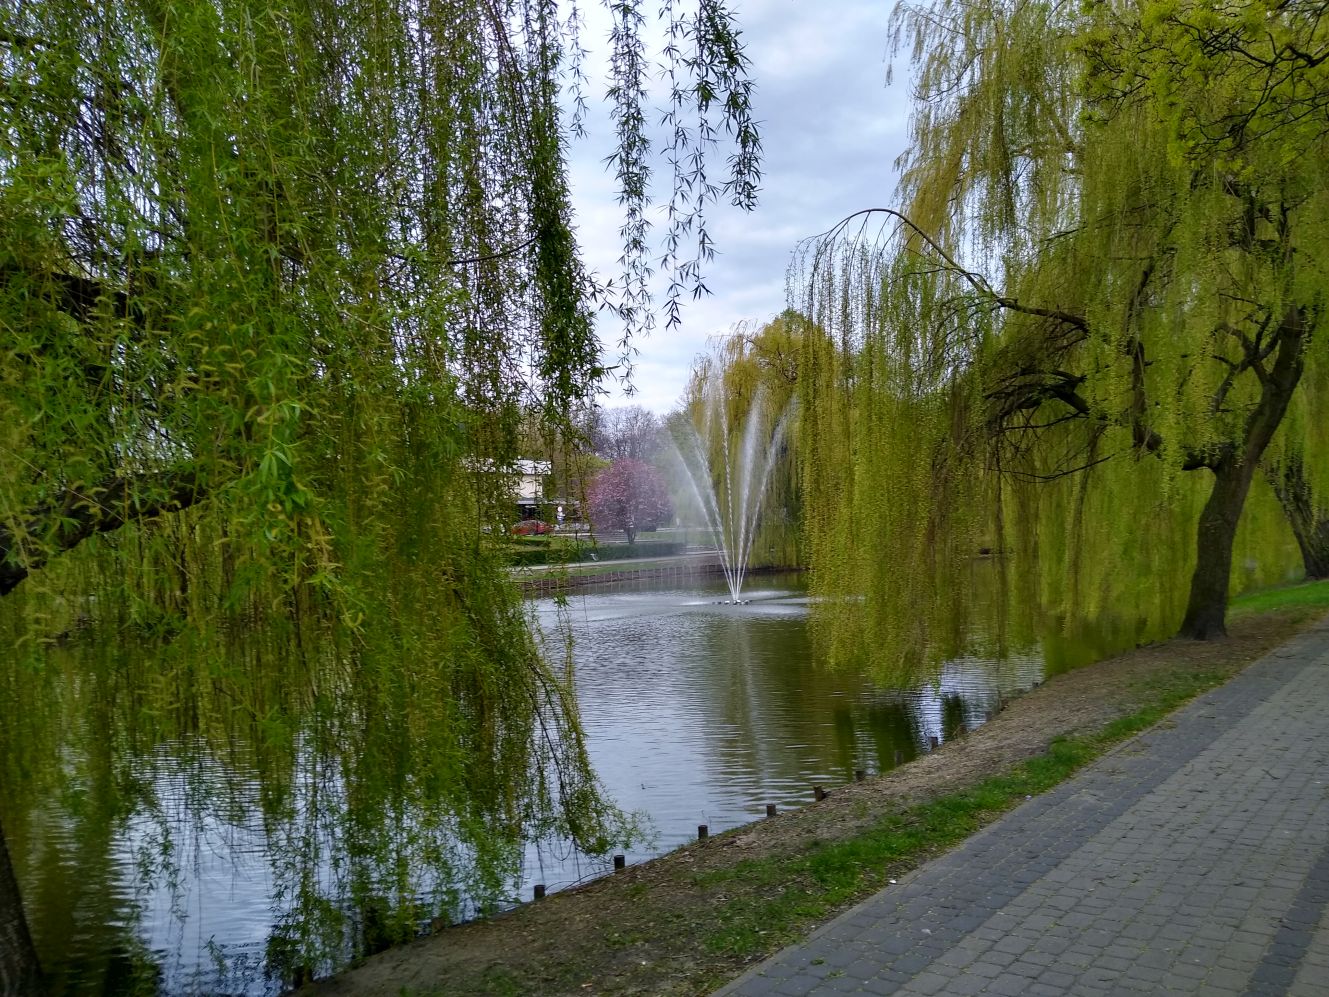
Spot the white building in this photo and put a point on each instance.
(529, 490)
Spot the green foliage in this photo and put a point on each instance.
(584, 552)
(1312, 596)
(1098, 311)
(281, 281)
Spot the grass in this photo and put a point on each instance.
(809, 886)
(1307, 595)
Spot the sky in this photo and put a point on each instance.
(831, 130)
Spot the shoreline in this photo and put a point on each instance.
(689, 920)
(552, 579)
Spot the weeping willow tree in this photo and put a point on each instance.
(772, 355)
(1097, 312)
(279, 281)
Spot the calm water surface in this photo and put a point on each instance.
(696, 712)
(699, 712)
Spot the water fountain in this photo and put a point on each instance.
(726, 484)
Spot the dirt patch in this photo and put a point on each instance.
(646, 930)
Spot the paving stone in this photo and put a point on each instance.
(1173, 983)
(841, 985)
(1012, 944)
(910, 963)
(1226, 979)
(879, 988)
(763, 986)
(1074, 959)
(1113, 964)
(1039, 958)
(1052, 944)
(957, 958)
(1190, 970)
(928, 983)
(991, 970)
(964, 986)
(1009, 985)
(1195, 857)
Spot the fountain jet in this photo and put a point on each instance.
(726, 483)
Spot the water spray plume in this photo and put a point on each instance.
(728, 485)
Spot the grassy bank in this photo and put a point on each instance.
(1308, 597)
(829, 876)
(687, 922)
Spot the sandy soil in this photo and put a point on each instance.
(642, 931)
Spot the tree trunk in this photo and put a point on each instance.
(1309, 525)
(76, 514)
(1206, 610)
(20, 972)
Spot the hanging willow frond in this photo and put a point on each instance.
(1108, 263)
(281, 283)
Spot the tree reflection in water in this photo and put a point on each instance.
(230, 829)
(259, 826)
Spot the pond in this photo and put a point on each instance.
(696, 712)
(699, 712)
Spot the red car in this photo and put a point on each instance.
(532, 528)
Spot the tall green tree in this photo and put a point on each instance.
(278, 281)
(1305, 514)
(739, 415)
(1107, 272)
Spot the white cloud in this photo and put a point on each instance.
(831, 130)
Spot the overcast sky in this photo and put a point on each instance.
(831, 130)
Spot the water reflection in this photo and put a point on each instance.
(213, 855)
(209, 834)
(699, 712)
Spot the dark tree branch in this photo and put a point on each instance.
(15, 39)
(1308, 519)
(77, 514)
(79, 297)
(489, 257)
(1061, 473)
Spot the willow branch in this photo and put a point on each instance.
(501, 254)
(975, 280)
(78, 514)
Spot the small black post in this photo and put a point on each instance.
(770, 810)
(859, 775)
(539, 891)
(933, 741)
(818, 793)
(703, 832)
(620, 863)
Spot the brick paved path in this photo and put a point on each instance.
(1193, 859)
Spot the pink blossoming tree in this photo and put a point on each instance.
(629, 495)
